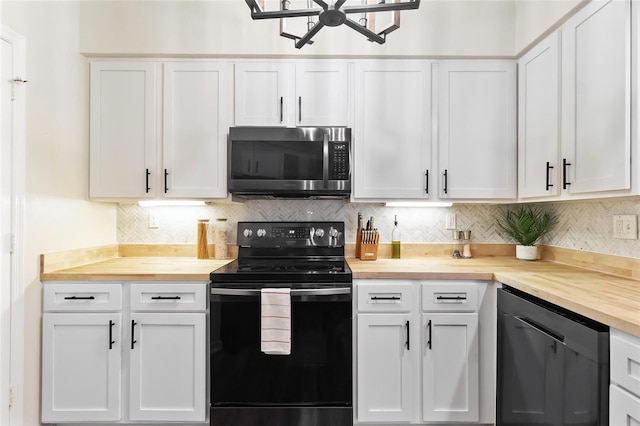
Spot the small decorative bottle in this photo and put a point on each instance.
(220, 238)
(395, 240)
(202, 243)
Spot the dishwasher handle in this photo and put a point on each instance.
(550, 334)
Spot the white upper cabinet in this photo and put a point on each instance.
(287, 94)
(392, 148)
(596, 98)
(476, 129)
(123, 130)
(128, 159)
(194, 130)
(539, 120)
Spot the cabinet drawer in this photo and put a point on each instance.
(82, 297)
(625, 361)
(387, 297)
(449, 297)
(169, 297)
(624, 408)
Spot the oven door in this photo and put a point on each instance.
(317, 373)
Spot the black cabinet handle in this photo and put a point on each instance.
(166, 298)
(385, 298)
(166, 186)
(111, 341)
(133, 328)
(147, 180)
(407, 343)
(426, 183)
(299, 109)
(451, 298)
(565, 164)
(549, 184)
(445, 181)
(281, 108)
(79, 298)
(429, 332)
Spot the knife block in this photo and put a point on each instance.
(367, 251)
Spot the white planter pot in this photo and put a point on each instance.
(527, 252)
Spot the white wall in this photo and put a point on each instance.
(534, 17)
(58, 217)
(225, 27)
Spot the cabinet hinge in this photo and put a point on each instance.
(11, 396)
(12, 243)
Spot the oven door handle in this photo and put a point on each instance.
(294, 292)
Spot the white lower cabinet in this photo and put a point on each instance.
(419, 352)
(141, 360)
(624, 396)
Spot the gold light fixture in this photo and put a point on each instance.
(333, 13)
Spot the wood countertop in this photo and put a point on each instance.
(611, 299)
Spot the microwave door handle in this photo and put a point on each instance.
(325, 161)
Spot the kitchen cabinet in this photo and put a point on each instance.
(134, 102)
(539, 120)
(419, 352)
(624, 397)
(167, 375)
(476, 129)
(392, 145)
(291, 94)
(386, 364)
(122, 152)
(596, 98)
(124, 352)
(81, 353)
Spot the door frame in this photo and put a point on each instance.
(15, 340)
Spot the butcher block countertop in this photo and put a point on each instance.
(613, 299)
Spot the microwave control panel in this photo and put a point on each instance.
(339, 161)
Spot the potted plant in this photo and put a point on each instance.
(526, 225)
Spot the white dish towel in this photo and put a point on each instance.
(275, 333)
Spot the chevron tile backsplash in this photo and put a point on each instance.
(584, 225)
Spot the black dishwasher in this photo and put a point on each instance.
(553, 364)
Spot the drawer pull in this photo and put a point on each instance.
(429, 331)
(111, 341)
(80, 298)
(451, 297)
(166, 298)
(408, 333)
(385, 298)
(133, 328)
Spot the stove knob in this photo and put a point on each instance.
(248, 233)
(333, 232)
(320, 232)
(261, 233)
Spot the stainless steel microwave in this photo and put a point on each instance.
(282, 162)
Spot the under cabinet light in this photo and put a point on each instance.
(161, 203)
(417, 204)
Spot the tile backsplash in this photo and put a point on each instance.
(583, 225)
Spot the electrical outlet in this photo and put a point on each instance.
(625, 227)
(450, 221)
(154, 220)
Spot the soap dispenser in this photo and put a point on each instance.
(395, 240)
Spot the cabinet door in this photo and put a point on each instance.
(123, 130)
(81, 367)
(194, 129)
(477, 129)
(168, 367)
(450, 383)
(596, 91)
(391, 136)
(262, 94)
(321, 94)
(624, 408)
(385, 368)
(539, 119)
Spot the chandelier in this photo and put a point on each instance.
(333, 13)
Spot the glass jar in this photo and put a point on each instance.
(202, 250)
(220, 238)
